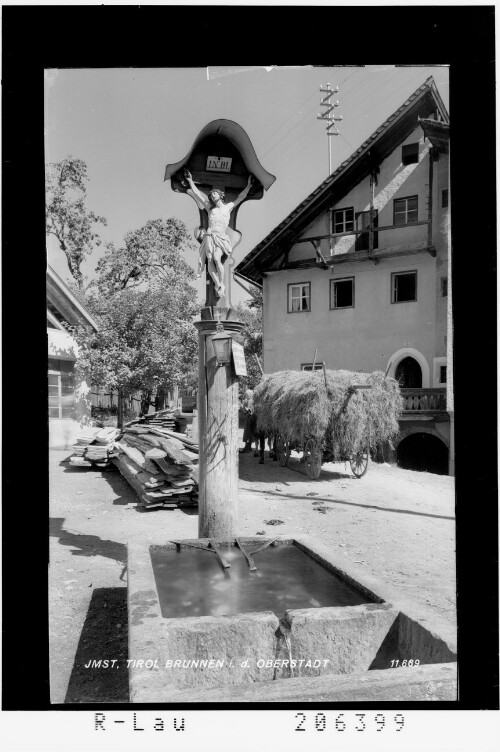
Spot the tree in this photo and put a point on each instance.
(256, 301)
(145, 305)
(154, 251)
(250, 313)
(145, 341)
(67, 217)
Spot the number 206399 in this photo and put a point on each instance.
(342, 722)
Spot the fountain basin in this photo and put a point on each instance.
(192, 582)
(192, 630)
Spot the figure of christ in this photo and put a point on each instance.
(214, 241)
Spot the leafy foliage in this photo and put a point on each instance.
(257, 301)
(145, 339)
(151, 252)
(66, 214)
(250, 314)
(145, 305)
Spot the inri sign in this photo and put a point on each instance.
(219, 164)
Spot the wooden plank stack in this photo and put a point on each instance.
(93, 447)
(161, 419)
(160, 464)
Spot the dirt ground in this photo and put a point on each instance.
(398, 524)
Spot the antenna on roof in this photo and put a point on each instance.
(331, 128)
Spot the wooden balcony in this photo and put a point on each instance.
(424, 402)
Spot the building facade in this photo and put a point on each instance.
(357, 276)
(69, 398)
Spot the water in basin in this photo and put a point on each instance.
(191, 582)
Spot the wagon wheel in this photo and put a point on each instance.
(359, 461)
(282, 450)
(312, 458)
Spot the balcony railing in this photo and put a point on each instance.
(366, 246)
(424, 401)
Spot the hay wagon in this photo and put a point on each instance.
(330, 416)
(319, 449)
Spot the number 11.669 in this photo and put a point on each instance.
(403, 664)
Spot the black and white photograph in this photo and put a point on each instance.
(250, 387)
(250, 384)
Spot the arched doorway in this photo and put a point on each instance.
(423, 452)
(409, 374)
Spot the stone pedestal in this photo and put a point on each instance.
(218, 435)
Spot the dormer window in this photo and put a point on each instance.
(409, 154)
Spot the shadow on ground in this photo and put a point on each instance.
(88, 545)
(270, 470)
(104, 637)
(298, 467)
(328, 499)
(125, 494)
(190, 511)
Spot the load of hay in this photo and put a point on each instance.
(302, 404)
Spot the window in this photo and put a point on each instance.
(342, 293)
(309, 366)
(444, 287)
(342, 220)
(444, 198)
(404, 287)
(299, 297)
(61, 389)
(362, 222)
(409, 154)
(54, 395)
(405, 210)
(442, 374)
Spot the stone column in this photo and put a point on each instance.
(218, 436)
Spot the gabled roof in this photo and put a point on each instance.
(423, 102)
(61, 297)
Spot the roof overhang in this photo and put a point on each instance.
(59, 294)
(437, 132)
(425, 101)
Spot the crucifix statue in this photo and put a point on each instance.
(220, 172)
(216, 245)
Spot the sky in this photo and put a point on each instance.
(127, 124)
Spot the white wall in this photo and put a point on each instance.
(61, 344)
(394, 181)
(362, 338)
(63, 431)
(366, 337)
(441, 239)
